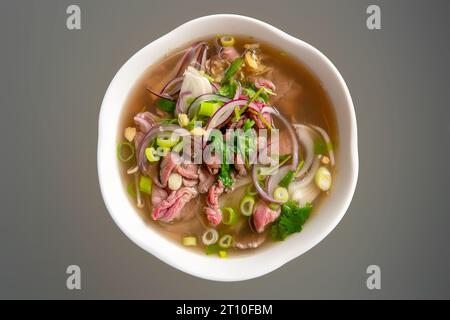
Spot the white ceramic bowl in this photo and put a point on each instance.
(266, 259)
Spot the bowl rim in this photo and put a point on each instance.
(280, 260)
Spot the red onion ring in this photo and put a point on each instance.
(187, 58)
(159, 95)
(273, 181)
(203, 59)
(260, 190)
(224, 113)
(172, 87)
(305, 135)
(181, 106)
(290, 129)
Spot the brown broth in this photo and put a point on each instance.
(305, 102)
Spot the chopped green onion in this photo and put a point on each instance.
(251, 190)
(210, 237)
(248, 124)
(145, 184)
(162, 151)
(263, 120)
(166, 105)
(227, 41)
(212, 249)
(253, 98)
(223, 254)
(120, 151)
(246, 205)
(208, 108)
(232, 69)
(322, 179)
(151, 154)
(281, 194)
(167, 140)
(189, 241)
(287, 179)
(229, 216)
(320, 147)
(226, 241)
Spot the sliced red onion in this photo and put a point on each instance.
(159, 95)
(224, 113)
(199, 55)
(187, 58)
(203, 59)
(294, 139)
(327, 139)
(274, 180)
(308, 178)
(182, 106)
(260, 190)
(269, 109)
(144, 121)
(192, 109)
(150, 135)
(172, 87)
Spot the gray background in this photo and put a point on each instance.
(52, 84)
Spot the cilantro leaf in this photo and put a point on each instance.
(225, 175)
(291, 220)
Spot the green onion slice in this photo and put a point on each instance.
(121, 149)
(246, 205)
(229, 216)
(145, 184)
(225, 241)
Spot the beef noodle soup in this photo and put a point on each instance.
(227, 145)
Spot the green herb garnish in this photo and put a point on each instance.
(248, 124)
(166, 105)
(287, 179)
(227, 90)
(225, 175)
(321, 147)
(291, 220)
(232, 69)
